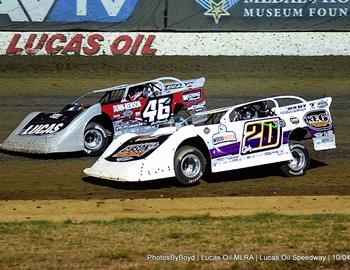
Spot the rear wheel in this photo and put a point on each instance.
(189, 164)
(300, 162)
(95, 139)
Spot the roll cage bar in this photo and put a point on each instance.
(228, 110)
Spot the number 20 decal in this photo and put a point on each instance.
(261, 135)
(157, 110)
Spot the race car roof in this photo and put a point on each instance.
(113, 88)
(275, 98)
(165, 82)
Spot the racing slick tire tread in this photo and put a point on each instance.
(296, 149)
(183, 153)
(93, 126)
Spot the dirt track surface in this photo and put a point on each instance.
(82, 210)
(47, 84)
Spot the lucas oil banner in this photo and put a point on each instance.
(175, 15)
(167, 44)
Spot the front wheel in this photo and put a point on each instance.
(95, 139)
(189, 164)
(300, 162)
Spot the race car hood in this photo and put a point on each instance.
(44, 133)
(129, 156)
(48, 123)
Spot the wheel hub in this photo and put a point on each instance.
(93, 139)
(299, 160)
(190, 165)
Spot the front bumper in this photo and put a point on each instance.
(116, 171)
(44, 144)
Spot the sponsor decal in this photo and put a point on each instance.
(322, 104)
(127, 113)
(247, 149)
(197, 107)
(294, 120)
(139, 127)
(63, 11)
(223, 135)
(294, 108)
(328, 133)
(318, 119)
(80, 44)
(327, 141)
(43, 129)
(217, 8)
(127, 106)
(146, 138)
(206, 130)
(146, 43)
(177, 86)
(280, 123)
(136, 150)
(324, 140)
(191, 96)
(225, 160)
(270, 9)
(294, 8)
(318, 134)
(55, 116)
(119, 125)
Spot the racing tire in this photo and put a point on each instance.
(189, 165)
(95, 139)
(299, 164)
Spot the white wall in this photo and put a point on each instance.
(202, 44)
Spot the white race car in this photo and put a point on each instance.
(260, 132)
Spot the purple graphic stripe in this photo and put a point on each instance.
(310, 130)
(286, 136)
(314, 131)
(230, 149)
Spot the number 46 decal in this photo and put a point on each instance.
(261, 135)
(157, 110)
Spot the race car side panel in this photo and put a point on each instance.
(117, 171)
(69, 139)
(315, 119)
(242, 144)
(157, 165)
(24, 122)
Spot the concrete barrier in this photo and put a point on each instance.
(187, 44)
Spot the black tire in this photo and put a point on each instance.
(95, 139)
(189, 165)
(300, 163)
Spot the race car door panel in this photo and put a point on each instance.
(258, 141)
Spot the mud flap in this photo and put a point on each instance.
(324, 142)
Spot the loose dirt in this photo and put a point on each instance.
(48, 83)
